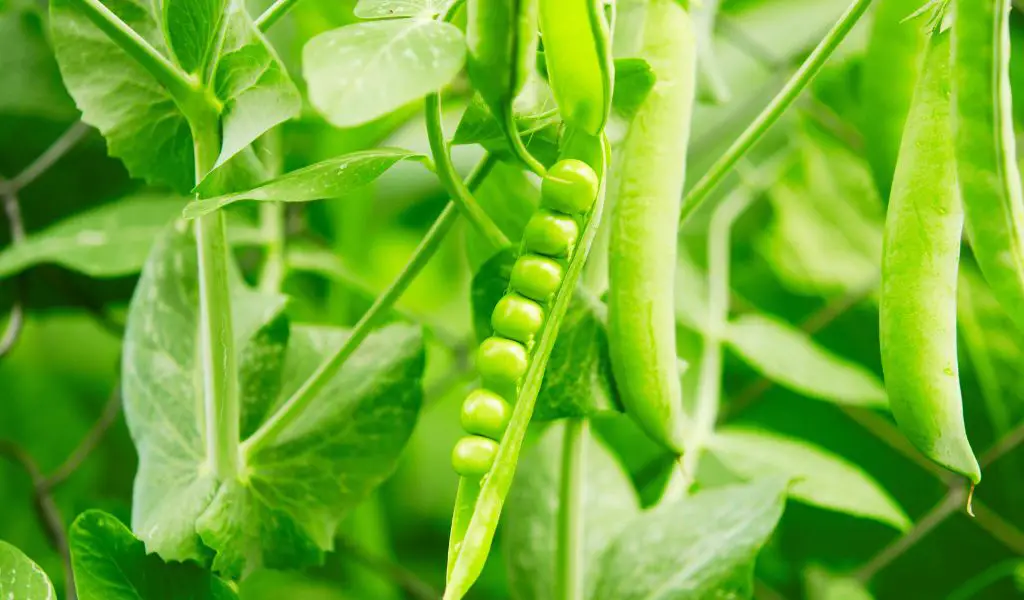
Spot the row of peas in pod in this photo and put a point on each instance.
(568, 192)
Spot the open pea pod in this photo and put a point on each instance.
(986, 150)
(512, 361)
(577, 52)
(920, 261)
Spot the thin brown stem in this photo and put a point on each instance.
(89, 443)
(16, 322)
(48, 158)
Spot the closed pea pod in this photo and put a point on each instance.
(917, 321)
(578, 59)
(985, 148)
(643, 235)
(502, 40)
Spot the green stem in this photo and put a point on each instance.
(569, 553)
(216, 337)
(451, 181)
(277, 10)
(185, 89)
(272, 227)
(782, 101)
(309, 390)
(515, 142)
(709, 385)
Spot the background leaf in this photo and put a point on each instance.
(363, 71)
(388, 9)
(20, 578)
(700, 547)
(819, 477)
(790, 357)
(28, 72)
(110, 564)
(531, 514)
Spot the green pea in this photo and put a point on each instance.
(485, 413)
(643, 231)
(550, 234)
(536, 277)
(578, 59)
(502, 360)
(570, 186)
(474, 455)
(517, 318)
(501, 36)
(985, 148)
(917, 317)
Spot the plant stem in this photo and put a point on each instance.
(272, 228)
(184, 88)
(519, 149)
(710, 383)
(451, 181)
(309, 390)
(572, 492)
(277, 10)
(775, 109)
(216, 336)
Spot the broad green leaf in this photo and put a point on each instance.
(792, 359)
(634, 79)
(285, 510)
(141, 123)
(363, 71)
(191, 27)
(698, 548)
(251, 82)
(577, 380)
(531, 514)
(823, 585)
(819, 477)
(478, 125)
(20, 578)
(389, 9)
(28, 73)
(111, 564)
(826, 235)
(328, 179)
(112, 240)
(109, 241)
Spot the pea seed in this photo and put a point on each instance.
(517, 318)
(502, 360)
(485, 413)
(570, 187)
(474, 455)
(536, 277)
(551, 234)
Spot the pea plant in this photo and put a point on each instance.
(607, 334)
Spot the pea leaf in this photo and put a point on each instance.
(191, 27)
(388, 9)
(28, 73)
(363, 71)
(111, 564)
(284, 512)
(701, 547)
(111, 240)
(22, 579)
(819, 477)
(634, 79)
(826, 235)
(478, 125)
(577, 380)
(791, 358)
(531, 514)
(328, 179)
(141, 122)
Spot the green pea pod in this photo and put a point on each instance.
(985, 151)
(891, 67)
(643, 236)
(572, 188)
(502, 40)
(921, 256)
(579, 61)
